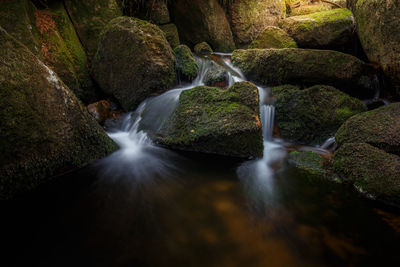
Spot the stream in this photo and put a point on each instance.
(145, 205)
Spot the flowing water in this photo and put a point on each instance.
(148, 206)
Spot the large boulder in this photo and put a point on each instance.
(203, 20)
(273, 37)
(379, 127)
(172, 34)
(17, 17)
(186, 64)
(372, 171)
(312, 115)
(44, 130)
(155, 11)
(378, 23)
(301, 66)
(133, 61)
(248, 18)
(330, 28)
(305, 7)
(63, 52)
(89, 18)
(220, 121)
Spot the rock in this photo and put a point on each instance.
(309, 162)
(273, 37)
(220, 121)
(378, 22)
(89, 18)
(203, 49)
(372, 171)
(171, 33)
(186, 65)
(203, 20)
(63, 52)
(351, 4)
(18, 18)
(306, 66)
(100, 110)
(216, 76)
(330, 28)
(248, 18)
(379, 127)
(155, 11)
(44, 130)
(306, 7)
(133, 61)
(312, 115)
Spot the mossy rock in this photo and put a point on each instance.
(306, 7)
(203, 49)
(154, 11)
(133, 61)
(312, 115)
(249, 17)
(302, 66)
(186, 65)
(331, 28)
(44, 130)
(89, 18)
(378, 24)
(273, 37)
(220, 121)
(17, 17)
(216, 76)
(379, 127)
(309, 162)
(172, 34)
(202, 20)
(372, 171)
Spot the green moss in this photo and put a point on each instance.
(308, 161)
(186, 65)
(203, 49)
(372, 171)
(379, 127)
(312, 115)
(171, 33)
(273, 37)
(214, 120)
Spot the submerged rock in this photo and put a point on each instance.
(309, 162)
(186, 65)
(322, 29)
(378, 24)
(249, 18)
(220, 121)
(203, 20)
(203, 49)
(273, 37)
(133, 61)
(305, 66)
(216, 76)
(312, 115)
(379, 127)
(89, 18)
(44, 130)
(171, 33)
(372, 171)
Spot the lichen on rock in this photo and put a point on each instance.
(273, 37)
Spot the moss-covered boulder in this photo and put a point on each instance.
(44, 130)
(309, 162)
(89, 18)
(378, 24)
(154, 11)
(172, 34)
(62, 50)
(301, 66)
(249, 17)
(273, 37)
(186, 65)
(17, 17)
(312, 115)
(203, 49)
(216, 76)
(379, 127)
(322, 29)
(203, 20)
(133, 61)
(220, 121)
(305, 7)
(372, 171)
